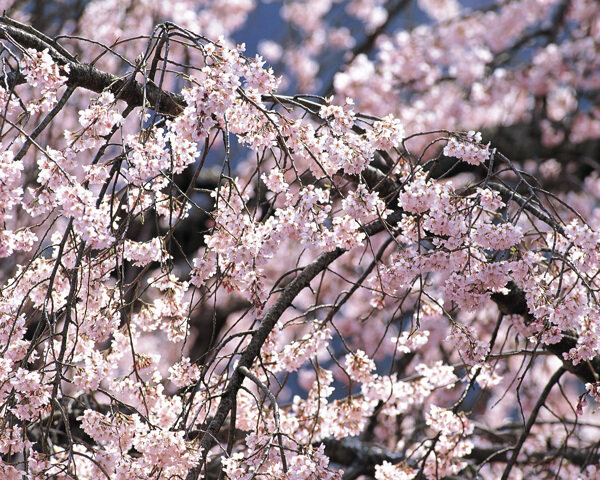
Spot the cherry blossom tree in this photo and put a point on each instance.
(369, 251)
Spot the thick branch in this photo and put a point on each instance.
(267, 324)
(89, 77)
(358, 457)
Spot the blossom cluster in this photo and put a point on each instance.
(96, 121)
(11, 195)
(468, 151)
(41, 71)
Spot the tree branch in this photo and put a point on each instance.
(267, 324)
(532, 417)
(88, 76)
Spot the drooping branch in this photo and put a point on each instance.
(531, 421)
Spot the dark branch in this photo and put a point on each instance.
(267, 324)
